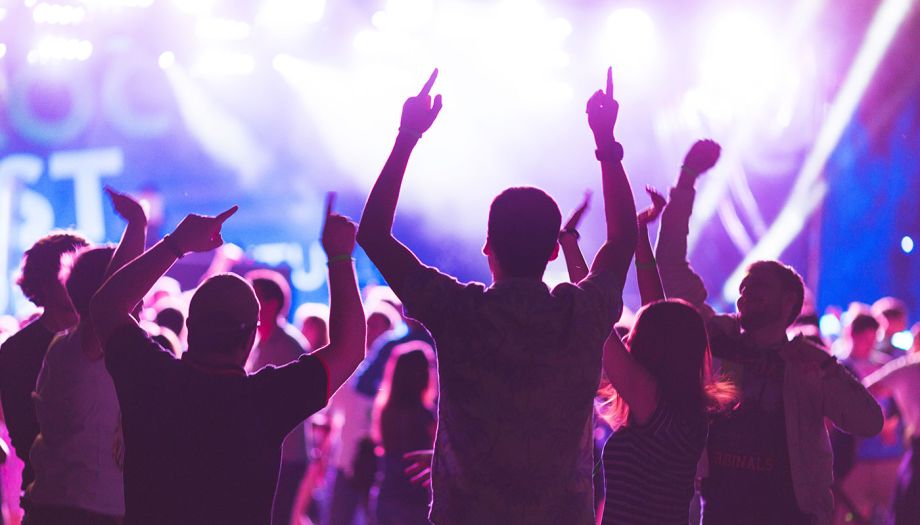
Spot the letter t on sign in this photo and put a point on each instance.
(86, 168)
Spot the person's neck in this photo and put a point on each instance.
(57, 320)
(766, 335)
(211, 364)
(267, 329)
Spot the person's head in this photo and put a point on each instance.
(523, 233)
(222, 319)
(274, 295)
(406, 381)
(771, 296)
(891, 313)
(313, 321)
(86, 276)
(670, 341)
(170, 317)
(40, 274)
(863, 332)
(378, 323)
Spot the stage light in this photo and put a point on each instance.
(404, 14)
(118, 4)
(907, 244)
(903, 340)
(809, 188)
(58, 14)
(3, 12)
(289, 16)
(53, 48)
(629, 39)
(195, 7)
(2, 50)
(224, 63)
(167, 59)
(222, 29)
(830, 326)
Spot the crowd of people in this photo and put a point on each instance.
(131, 401)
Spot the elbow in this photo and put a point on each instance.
(369, 237)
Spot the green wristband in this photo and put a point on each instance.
(339, 258)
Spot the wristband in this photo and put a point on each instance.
(614, 153)
(646, 265)
(570, 231)
(173, 246)
(410, 132)
(339, 258)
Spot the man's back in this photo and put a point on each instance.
(518, 368)
(204, 447)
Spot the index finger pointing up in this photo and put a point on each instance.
(330, 201)
(609, 92)
(226, 215)
(427, 87)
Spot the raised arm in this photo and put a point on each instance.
(135, 234)
(375, 232)
(113, 303)
(347, 326)
(677, 277)
(650, 288)
(631, 381)
(619, 208)
(568, 240)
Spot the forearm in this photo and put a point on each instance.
(347, 327)
(128, 285)
(574, 260)
(650, 288)
(131, 245)
(677, 277)
(380, 209)
(619, 206)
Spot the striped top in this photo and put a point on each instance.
(650, 469)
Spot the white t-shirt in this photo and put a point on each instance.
(77, 454)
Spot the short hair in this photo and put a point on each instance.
(222, 314)
(523, 230)
(889, 308)
(271, 285)
(170, 317)
(42, 262)
(86, 276)
(862, 323)
(789, 279)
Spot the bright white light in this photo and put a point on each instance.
(404, 14)
(195, 7)
(903, 340)
(907, 244)
(167, 59)
(2, 13)
(58, 14)
(2, 50)
(118, 4)
(830, 326)
(218, 63)
(52, 48)
(289, 16)
(629, 40)
(809, 188)
(222, 29)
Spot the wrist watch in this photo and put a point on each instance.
(614, 153)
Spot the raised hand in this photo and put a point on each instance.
(602, 110)
(419, 469)
(201, 233)
(575, 218)
(338, 231)
(126, 207)
(419, 112)
(649, 214)
(702, 156)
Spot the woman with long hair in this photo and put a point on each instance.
(659, 392)
(403, 421)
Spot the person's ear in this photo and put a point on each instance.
(555, 254)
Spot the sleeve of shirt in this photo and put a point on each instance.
(431, 297)
(291, 393)
(603, 294)
(677, 276)
(132, 358)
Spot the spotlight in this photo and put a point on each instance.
(629, 39)
(290, 16)
(53, 48)
(167, 59)
(907, 244)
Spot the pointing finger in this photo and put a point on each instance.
(609, 82)
(330, 202)
(427, 87)
(227, 214)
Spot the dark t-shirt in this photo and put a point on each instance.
(21, 359)
(204, 447)
(750, 479)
